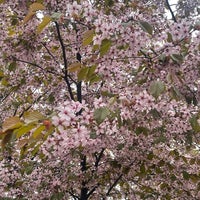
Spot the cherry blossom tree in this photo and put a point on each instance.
(99, 99)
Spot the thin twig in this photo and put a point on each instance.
(45, 46)
(36, 65)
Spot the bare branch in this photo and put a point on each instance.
(172, 14)
(65, 61)
(114, 184)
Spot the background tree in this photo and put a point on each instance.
(99, 100)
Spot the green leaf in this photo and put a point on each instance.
(57, 196)
(56, 16)
(146, 27)
(1, 74)
(141, 130)
(175, 94)
(94, 79)
(11, 123)
(157, 88)
(163, 186)
(24, 130)
(35, 150)
(93, 135)
(109, 3)
(33, 116)
(105, 46)
(160, 139)
(88, 37)
(38, 131)
(82, 73)
(177, 58)
(45, 21)
(101, 114)
(169, 37)
(29, 168)
(194, 123)
(120, 146)
(115, 164)
(142, 168)
(155, 114)
(12, 66)
(173, 177)
(189, 138)
(150, 156)
(186, 176)
(51, 98)
(90, 72)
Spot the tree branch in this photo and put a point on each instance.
(73, 195)
(92, 190)
(36, 100)
(79, 89)
(84, 189)
(114, 184)
(44, 45)
(65, 61)
(172, 14)
(98, 158)
(36, 65)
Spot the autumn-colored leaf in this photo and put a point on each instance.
(11, 123)
(32, 10)
(74, 67)
(45, 21)
(7, 137)
(28, 17)
(36, 6)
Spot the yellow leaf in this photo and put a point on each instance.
(11, 123)
(36, 6)
(74, 67)
(43, 24)
(28, 17)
